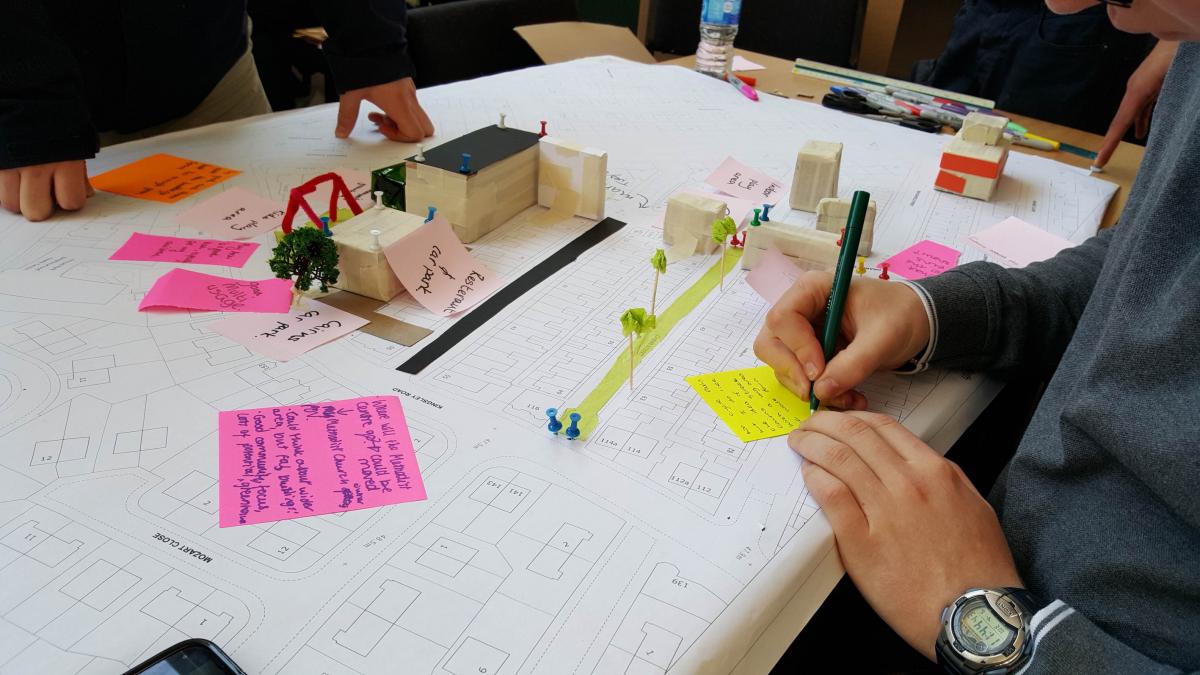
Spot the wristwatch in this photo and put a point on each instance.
(986, 631)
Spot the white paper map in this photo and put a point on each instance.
(660, 544)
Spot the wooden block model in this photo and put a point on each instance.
(972, 168)
(501, 180)
(983, 128)
(692, 215)
(364, 269)
(809, 249)
(571, 178)
(832, 215)
(817, 167)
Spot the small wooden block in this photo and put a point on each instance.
(971, 169)
(833, 214)
(809, 249)
(982, 128)
(817, 167)
(692, 215)
(364, 271)
(571, 178)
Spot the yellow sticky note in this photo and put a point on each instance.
(752, 402)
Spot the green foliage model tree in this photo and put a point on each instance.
(636, 322)
(306, 255)
(722, 229)
(659, 262)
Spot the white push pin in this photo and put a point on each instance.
(375, 240)
(502, 116)
(420, 153)
(379, 199)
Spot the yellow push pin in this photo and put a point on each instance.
(862, 265)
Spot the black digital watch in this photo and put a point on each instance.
(987, 630)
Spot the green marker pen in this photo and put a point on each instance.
(841, 283)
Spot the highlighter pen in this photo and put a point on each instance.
(841, 283)
(745, 89)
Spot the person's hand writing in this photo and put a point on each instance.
(33, 191)
(884, 325)
(1141, 93)
(402, 118)
(911, 530)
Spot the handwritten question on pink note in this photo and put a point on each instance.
(237, 213)
(284, 337)
(738, 180)
(294, 461)
(923, 259)
(438, 271)
(156, 248)
(184, 289)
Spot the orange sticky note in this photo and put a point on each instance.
(162, 178)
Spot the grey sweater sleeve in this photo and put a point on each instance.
(1000, 320)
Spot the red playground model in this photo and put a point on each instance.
(296, 199)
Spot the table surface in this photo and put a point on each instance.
(778, 78)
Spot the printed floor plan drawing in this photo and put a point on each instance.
(661, 544)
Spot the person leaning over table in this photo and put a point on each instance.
(1097, 514)
(142, 67)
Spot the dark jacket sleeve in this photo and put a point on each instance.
(43, 114)
(1000, 320)
(366, 44)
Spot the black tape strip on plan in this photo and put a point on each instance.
(502, 298)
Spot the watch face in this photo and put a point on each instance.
(980, 630)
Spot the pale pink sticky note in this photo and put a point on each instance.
(923, 259)
(1015, 243)
(438, 271)
(155, 248)
(308, 460)
(236, 213)
(284, 337)
(184, 289)
(738, 180)
(772, 275)
(739, 209)
(741, 63)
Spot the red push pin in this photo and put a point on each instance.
(840, 237)
(543, 131)
(883, 268)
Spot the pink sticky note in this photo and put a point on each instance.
(738, 180)
(308, 460)
(923, 259)
(283, 337)
(738, 208)
(772, 275)
(154, 248)
(1015, 243)
(438, 270)
(236, 213)
(184, 289)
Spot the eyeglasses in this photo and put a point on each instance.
(1118, 3)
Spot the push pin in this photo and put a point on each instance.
(756, 221)
(420, 156)
(862, 265)
(555, 425)
(465, 167)
(375, 240)
(573, 430)
(432, 210)
(543, 131)
(883, 268)
(766, 214)
(379, 199)
(325, 226)
(841, 236)
(501, 125)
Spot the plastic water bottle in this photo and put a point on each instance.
(718, 28)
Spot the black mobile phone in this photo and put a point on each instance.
(190, 657)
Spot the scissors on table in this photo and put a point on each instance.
(918, 123)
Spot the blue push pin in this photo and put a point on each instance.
(766, 214)
(465, 167)
(432, 210)
(555, 425)
(755, 222)
(325, 226)
(573, 430)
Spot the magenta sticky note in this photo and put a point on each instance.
(772, 275)
(294, 461)
(738, 180)
(236, 213)
(438, 271)
(1015, 243)
(286, 336)
(184, 289)
(155, 248)
(923, 259)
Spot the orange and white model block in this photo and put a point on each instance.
(973, 161)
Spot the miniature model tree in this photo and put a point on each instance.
(659, 262)
(721, 231)
(308, 256)
(635, 322)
